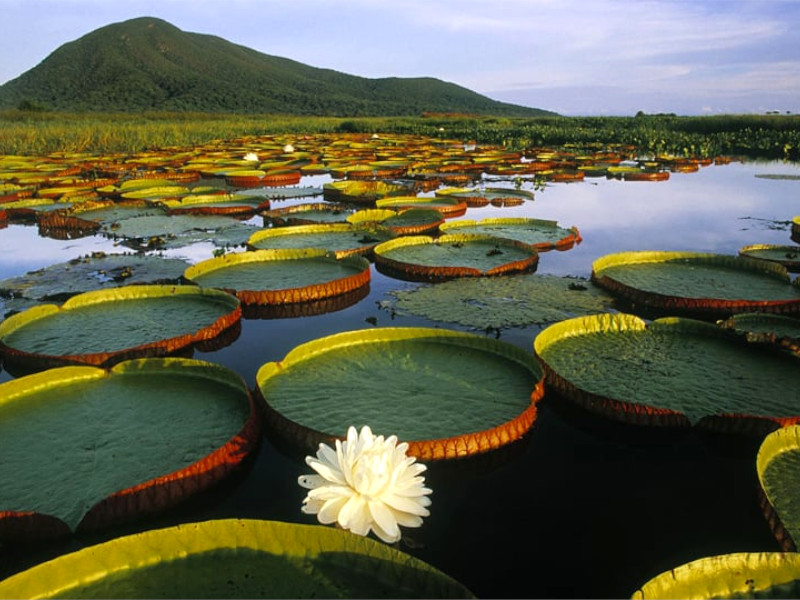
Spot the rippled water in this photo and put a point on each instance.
(579, 508)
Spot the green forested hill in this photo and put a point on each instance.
(149, 64)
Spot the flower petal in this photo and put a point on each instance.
(327, 471)
(415, 506)
(355, 516)
(330, 510)
(385, 535)
(384, 518)
(310, 481)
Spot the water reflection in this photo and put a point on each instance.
(573, 511)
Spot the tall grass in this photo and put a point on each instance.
(42, 133)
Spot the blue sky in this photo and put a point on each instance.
(575, 57)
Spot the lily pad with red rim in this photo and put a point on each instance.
(446, 393)
(697, 284)
(343, 239)
(423, 258)
(542, 235)
(107, 449)
(278, 277)
(670, 372)
(103, 327)
(788, 256)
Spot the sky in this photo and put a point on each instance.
(574, 57)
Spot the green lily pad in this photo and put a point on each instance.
(686, 283)
(671, 371)
(427, 259)
(108, 213)
(470, 393)
(343, 239)
(361, 192)
(105, 326)
(311, 213)
(216, 204)
(541, 234)
(500, 302)
(107, 449)
(282, 276)
(738, 575)
(92, 272)
(767, 328)
(176, 231)
(778, 467)
(285, 193)
(236, 558)
(446, 205)
(788, 256)
(410, 221)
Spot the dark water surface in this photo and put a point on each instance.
(579, 508)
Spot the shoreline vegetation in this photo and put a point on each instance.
(769, 136)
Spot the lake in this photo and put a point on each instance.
(580, 508)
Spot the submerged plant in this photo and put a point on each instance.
(367, 483)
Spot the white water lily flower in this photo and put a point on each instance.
(366, 484)
(251, 157)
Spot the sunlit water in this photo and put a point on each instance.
(579, 509)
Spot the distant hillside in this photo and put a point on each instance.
(149, 64)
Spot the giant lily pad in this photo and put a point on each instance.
(738, 575)
(236, 558)
(448, 206)
(542, 235)
(107, 448)
(282, 276)
(788, 256)
(217, 204)
(175, 231)
(695, 284)
(343, 239)
(767, 328)
(92, 272)
(311, 213)
(670, 372)
(500, 302)
(410, 221)
(446, 393)
(427, 259)
(361, 192)
(106, 326)
(778, 467)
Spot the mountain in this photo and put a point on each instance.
(149, 64)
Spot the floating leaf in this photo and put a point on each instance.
(236, 558)
(427, 259)
(788, 256)
(778, 466)
(107, 449)
(500, 302)
(542, 235)
(738, 575)
(688, 283)
(269, 277)
(343, 239)
(312, 213)
(669, 372)
(468, 393)
(93, 272)
(106, 326)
